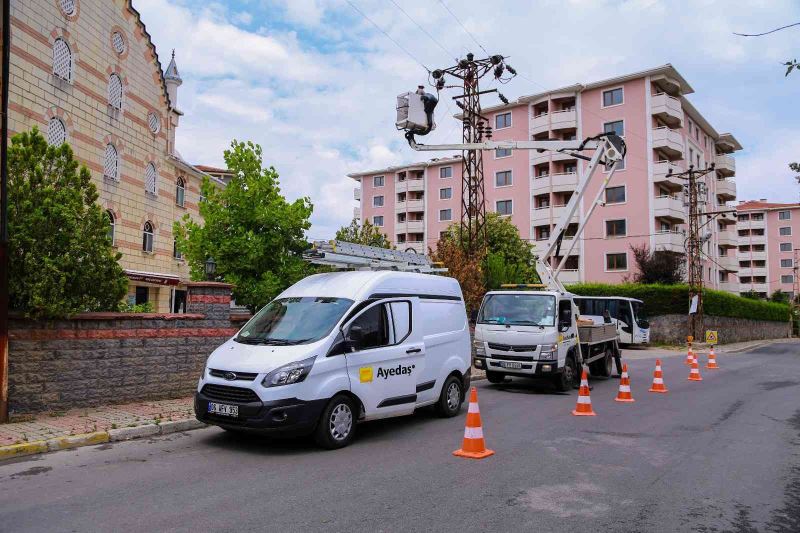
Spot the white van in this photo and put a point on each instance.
(627, 313)
(338, 348)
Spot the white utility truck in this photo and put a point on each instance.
(523, 333)
(341, 347)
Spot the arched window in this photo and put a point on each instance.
(115, 91)
(67, 7)
(153, 122)
(62, 60)
(56, 132)
(150, 178)
(111, 163)
(147, 237)
(118, 42)
(112, 222)
(180, 191)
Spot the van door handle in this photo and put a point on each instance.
(414, 350)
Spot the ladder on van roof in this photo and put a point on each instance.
(351, 256)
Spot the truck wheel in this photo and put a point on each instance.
(568, 377)
(337, 424)
(451, 398)
(495, 377)
(603, 367)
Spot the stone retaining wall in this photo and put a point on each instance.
(105, 358)
(671, 329)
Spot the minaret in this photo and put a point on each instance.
(173, 80)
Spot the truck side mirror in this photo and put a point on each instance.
(354, 338)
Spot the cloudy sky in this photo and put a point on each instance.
(314, 82)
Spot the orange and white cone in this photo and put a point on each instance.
(473, 446)
(624, 394)
(658, 379)
(584, 406)
(689, 356)
(694, 373)
(712, 360)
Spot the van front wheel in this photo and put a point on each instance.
(451, 397)
(337, 425)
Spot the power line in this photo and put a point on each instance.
(401, 47)
(766, 32)
(431, 37)
(463, 27)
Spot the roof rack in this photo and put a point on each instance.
(348, 255)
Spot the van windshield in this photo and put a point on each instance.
(519, 310)
(288, 321)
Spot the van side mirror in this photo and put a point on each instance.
(354, 338)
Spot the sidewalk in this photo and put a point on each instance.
(653, 352)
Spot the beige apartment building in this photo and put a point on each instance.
(86, 72)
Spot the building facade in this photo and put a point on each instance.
(643, 204)
(86, 72)
(768, 247)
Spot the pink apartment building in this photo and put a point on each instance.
(414, 203)
(769, 241)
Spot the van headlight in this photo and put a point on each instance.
(549, 352)
(480, 349)
(288, 374)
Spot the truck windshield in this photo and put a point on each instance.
(288, 321)
(519, 310)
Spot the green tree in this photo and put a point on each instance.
(62, 261)
(366, 234)
(253, 234)
(780, 297)
(660, 266)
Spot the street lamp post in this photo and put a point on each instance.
(211, 269)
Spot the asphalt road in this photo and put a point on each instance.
(720, 455)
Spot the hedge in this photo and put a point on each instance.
(674, 300)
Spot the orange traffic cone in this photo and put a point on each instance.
(712, 360)
(658, 379)
(473, 446)
(689, 356)
(584, 406)
(694, 373)
(624, 394)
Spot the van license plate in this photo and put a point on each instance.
(222, 409)
(510, 365)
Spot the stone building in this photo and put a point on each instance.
(86, 72)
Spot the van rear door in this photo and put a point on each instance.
(384, 364)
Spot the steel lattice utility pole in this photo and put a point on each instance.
(694, 249)
(795, 302)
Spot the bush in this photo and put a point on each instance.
(674, 300)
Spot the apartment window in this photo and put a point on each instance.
(142, 295)
(570, 168)
(503, 120)
(612, 97)
(150, 178)
(180, 191)
(111, 163)
(115, 91)
(378, 181)
(502, 152)
(446, 193)
(665, 226)
(154, 123)
(788, 278)
(176, 251)
(784, 215)
(503, 207)
(757, 216)
(785, 231)
(615, 195)
(112, 226)
(446, 172)
(56, 132)
(786, 263)
(377, 201)
(617, 127)
(691, 128)
(377, 220)
(617, 261)
(616, 228)
(743, 217)
(147, 237)
(503, 178)
(786, 247)
(445, 214)
(62, 60)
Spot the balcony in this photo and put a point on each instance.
(357, 213)
(564, 181)
(727, 239)
(568, 277)
(667, 108)
(729, 262)
(669, 241)
(541, 182)
(540, 216)
(416, 246)
(751, 224)
(563, 120)
(755, 256)
(415, 184)
(753, 272)
(660, 171)
(729, 286)
(540, 124)
(409, 205)
(357, 194)
(726, 190)
(560, 156)
(560, 210)
(669, 141)
(756, 287)
(725, 165)
(413, 226)
(539, 158)
(669, 207)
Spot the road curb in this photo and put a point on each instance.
(97, 437)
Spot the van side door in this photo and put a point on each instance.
(385, 354)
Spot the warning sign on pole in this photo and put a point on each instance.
(711, 337)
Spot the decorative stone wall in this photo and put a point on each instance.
(106, 358)
(671, 329)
